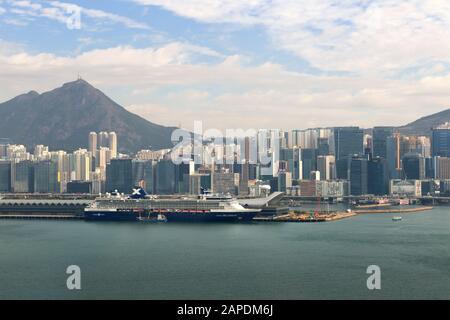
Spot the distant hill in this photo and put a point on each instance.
(423, 125)
(63, 118)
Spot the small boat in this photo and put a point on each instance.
(397, 219)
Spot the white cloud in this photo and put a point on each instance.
(99, 14)
(166, 86)
(2, 11)
(61, 11)
(377, 37)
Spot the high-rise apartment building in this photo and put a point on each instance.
(92, 143)
(112, 143)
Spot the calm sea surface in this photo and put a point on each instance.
(229, 261)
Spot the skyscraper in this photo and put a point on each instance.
(358, 176)
(379, 141)
(46, 179)
(441, 168)
(284, 181)
(441, 141)
(413, 166)
(143, 174)
(378, 176)
(308, 161)
(112, 143)
(119, 175)
(165, 177)
(393, 156)
(348, 141)
(5, 176)
(82, 161)
(293, 158)
(93, 142)
(23, 177)
(325, 165)
(103, 139)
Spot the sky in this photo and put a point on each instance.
(285, 64)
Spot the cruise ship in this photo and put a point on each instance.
(141, 207)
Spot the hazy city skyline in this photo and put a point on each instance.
(232, 64)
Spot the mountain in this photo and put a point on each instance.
(64, 117)
(423, 125)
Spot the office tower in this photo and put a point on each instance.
(284, 181)
(165, 177)
(325, 165)
(199, 182)
(380, 136)
(429, 168)
(348, 141)
(308, 162)
(394, 156)
(5, 176)
(378, 176)
(245, 167)
(440, 143)
(342, 169)
(143, 174)
(269, 152)
(93, 142)
(323, 147)
(441, 168)
(413, 166)
(358, 175)
(367, 146)
(46, 178)
(112, 143)
(225, 182)
(293, 158)
(183, 170)
(119, 176)
(420, 145)
(294, 162)
(23, 177)
(79, 187)
(103, 139)
(58, 157)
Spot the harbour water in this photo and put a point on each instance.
(229, 261)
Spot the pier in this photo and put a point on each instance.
(39, 217)
(48, 209)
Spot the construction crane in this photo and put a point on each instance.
(314, 214)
